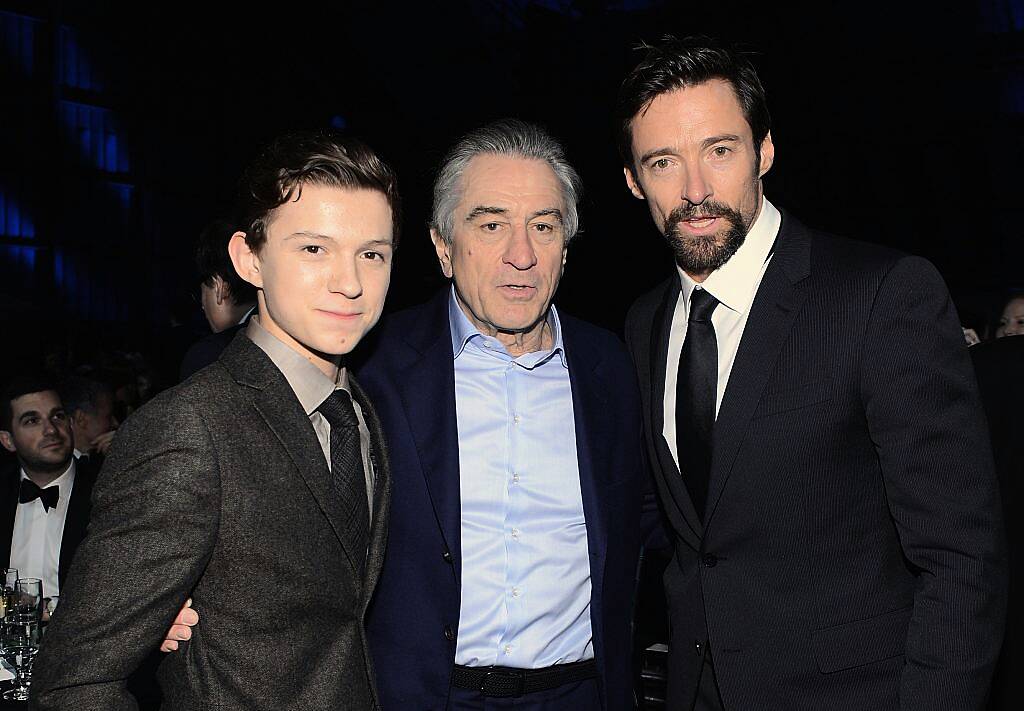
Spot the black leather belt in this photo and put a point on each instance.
(506, 681)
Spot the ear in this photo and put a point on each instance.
(444, 254)
(7, 440)
(246, 262)
(220, 289)
(77, 420)
(767, 154)
(633, 185)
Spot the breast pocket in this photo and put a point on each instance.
(774, 402)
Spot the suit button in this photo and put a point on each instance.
(447, 557)
(448, 634)
(700, 648)
(710, 560)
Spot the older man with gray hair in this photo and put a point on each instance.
(516, 452)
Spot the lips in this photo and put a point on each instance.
(340, 315)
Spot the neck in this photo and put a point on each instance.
(45, 476)
(539, 338)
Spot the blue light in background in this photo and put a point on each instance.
(95, 131)
(15, 222)
(17, 38)
(74, 68)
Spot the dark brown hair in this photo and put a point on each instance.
(310, 157)
(673, 64)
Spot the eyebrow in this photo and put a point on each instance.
(36, 413)
(316, 235)
(551, 211)
(485, 210)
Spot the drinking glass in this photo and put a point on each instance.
(21, 633)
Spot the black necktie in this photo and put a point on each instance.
(347, 466)
(30, 492)
(696, 394)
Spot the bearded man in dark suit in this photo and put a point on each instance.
(260, 488)
(814, 427)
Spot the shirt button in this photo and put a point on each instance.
(515, 418)
(447, 557)
(515, 478)
(508, 649)
(515, 592)
(515, 533)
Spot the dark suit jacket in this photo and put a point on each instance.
(74, 523)
(218, 490)
(851, 555)
(413, 621)
(999, 365)
(207, 350)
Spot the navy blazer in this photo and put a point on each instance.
(413, 620)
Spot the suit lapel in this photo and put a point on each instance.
(673, 479)
(276, 403)
(429, 404)
(9, 483)
(778, 301)
(77, 518)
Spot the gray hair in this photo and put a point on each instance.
(508, 137)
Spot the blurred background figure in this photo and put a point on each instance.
(1011, 322)
(226, 298)
(89, 405)
(999, 365)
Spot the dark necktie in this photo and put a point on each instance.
(30, 492)
(347, 467)
(696, 394)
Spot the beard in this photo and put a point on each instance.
(49, 460)
(703, 254)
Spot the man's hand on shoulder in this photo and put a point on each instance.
(181, 628)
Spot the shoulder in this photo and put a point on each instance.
(184, 407)
(647, 303)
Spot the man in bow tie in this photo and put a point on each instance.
(46, 495)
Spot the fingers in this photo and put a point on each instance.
(186, 616)
(169, 645)
(181, 628)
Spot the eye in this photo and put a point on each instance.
(721, 151)
(313, 249)
(660, 164)
(59, 416)
(543, 227)
(29, 421)
(491, 226)
(373, 256)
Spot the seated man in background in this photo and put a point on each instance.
(227, 300)
(89, 406)
(45, 495)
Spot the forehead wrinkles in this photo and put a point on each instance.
(519, 185)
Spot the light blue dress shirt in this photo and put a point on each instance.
(525, 562)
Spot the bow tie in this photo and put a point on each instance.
(30, 492)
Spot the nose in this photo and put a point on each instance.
(519, 252)
(344, 277)
(696, 188)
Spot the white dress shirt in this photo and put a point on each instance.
(734, 284)
(35, 545)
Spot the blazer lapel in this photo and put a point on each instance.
(429, 403)
(381, 492)
(276, 403)
(659, 366)
(778, 300)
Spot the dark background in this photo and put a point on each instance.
(123, 130)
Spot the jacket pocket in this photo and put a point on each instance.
(775, 401)
(855, 644)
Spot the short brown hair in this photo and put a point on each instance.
(309, 157)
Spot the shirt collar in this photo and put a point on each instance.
(463, 331)
(308, 382)
(734, 283)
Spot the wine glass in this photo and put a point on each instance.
(21, 633)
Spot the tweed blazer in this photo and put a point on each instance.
(218, 490)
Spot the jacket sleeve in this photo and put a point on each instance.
(925, 420)
(154, 521)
